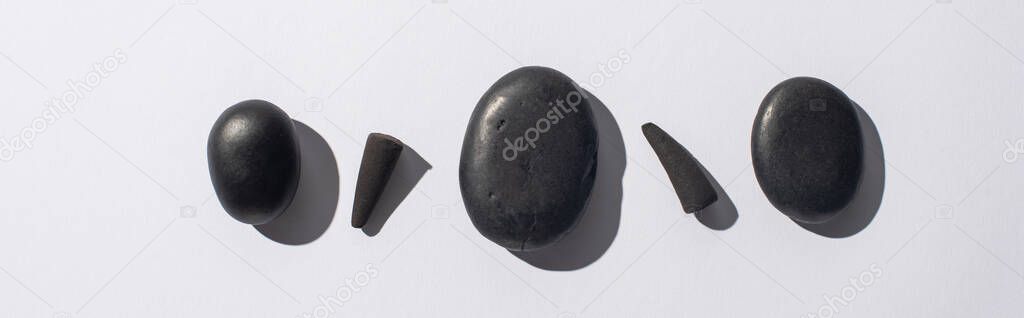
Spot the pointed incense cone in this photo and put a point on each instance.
(379, 159)
(692, 187)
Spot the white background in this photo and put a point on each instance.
(91, 222)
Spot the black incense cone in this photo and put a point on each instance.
(379, 159)
(692, 187)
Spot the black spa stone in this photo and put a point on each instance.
(528, 159)
(253, 157)
(692, 187)
(807, 149)
(380, 156)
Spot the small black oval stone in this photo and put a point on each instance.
(528, 159)
(807, 149)
(253, 157)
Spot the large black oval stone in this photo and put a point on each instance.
(528, 159)
(253, 157)
(807, 149)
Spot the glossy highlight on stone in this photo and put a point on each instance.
(379, 159)
(807, 149)
(529, 158)
(692, 187)
(253, 156)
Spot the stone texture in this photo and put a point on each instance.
(807, 149)
(379, 159)
(528, 159)
(691, 184)
(253, 158)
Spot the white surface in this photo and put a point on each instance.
(91, 226)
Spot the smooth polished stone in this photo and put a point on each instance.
(253, 158)
(692, 187)
(807, 149)
(379, 159)
(528, 159)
